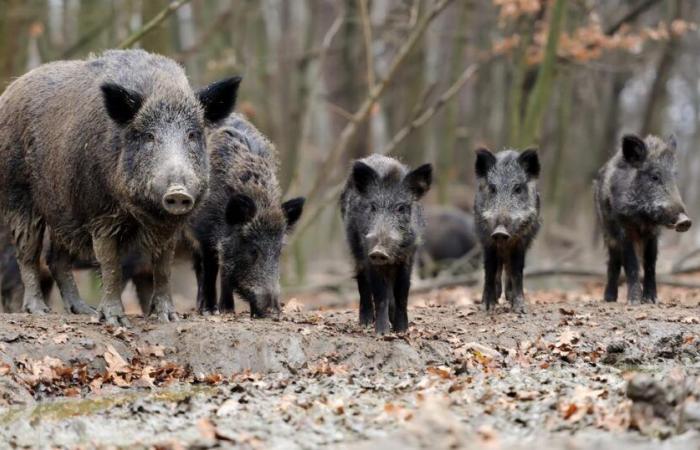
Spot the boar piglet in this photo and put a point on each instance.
(124, 168)
(241, 227)
(507, 215)
(635, 195)
(383, 220)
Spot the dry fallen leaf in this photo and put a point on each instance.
(115, 362)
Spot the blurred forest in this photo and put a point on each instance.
(424, 80)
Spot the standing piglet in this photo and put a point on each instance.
(107, 153)
(507, 214)
(635, 195)
(242, 225)
(383, 219)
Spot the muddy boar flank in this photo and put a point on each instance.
(123, 167)
(383, 219)
(241, 226)
(635, 195)
(506, 210)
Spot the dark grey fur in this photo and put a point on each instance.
(241, 226)
(507, 214)
(635, 195)
(383, 220)
(449, 235)
(108, 153)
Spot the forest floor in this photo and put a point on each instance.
(571, 373)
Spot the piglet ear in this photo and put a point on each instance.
(634, 149)
(529, 161)
(363, 176)
(485, 160)
(122, 104)
(240, 210)
(218, 99)
(419, 180)
(292, 210)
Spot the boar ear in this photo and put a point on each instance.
(420, 179)
(292, 210)
(121, 104)
(529, 161)
(240, 210)
(633, 149)
(484, 161)
(671, 141)
(363, 176)
(219, 98)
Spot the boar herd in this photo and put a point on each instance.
(115, 162)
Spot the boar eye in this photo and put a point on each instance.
(403, 208)
(492, 188)
(373, 207)
(518, 189)
(193, 135)
(150, 137)
(655, 177)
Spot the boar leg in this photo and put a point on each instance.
(226, 302)
(28, 236)
(402, 285)
(651, 249)
(143, 282)
(206, 269)
(631, 264)
(110, 309)
(60, 265)
(365, 287)
(515, 278)
(380, 293)
(492, 267)
(614, 266)
(162, 307)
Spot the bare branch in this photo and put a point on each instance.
(152, 24)
(367, 34)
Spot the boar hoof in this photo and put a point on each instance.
(81, 308)
(35, 306)
(114, 317)
(165, 316)
(209, 312)
(518, 308)
(651, 300)
(366, 319)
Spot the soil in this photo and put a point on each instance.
(571, 373)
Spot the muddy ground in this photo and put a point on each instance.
(571, 373)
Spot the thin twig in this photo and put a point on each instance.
(152, 24)
(363, 112)
(427, 114)
(361, 115)
(367, 34)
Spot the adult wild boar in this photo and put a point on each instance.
(108, 153)
(635, 195)
(507, 215)
(383, 220)
(241, 226)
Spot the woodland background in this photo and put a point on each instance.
(424, 80)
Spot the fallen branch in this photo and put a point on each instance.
(152, 24)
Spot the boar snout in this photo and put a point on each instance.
(379, 256)
(266, 303)
(683, 223)
(177, 200)
(500, 234)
